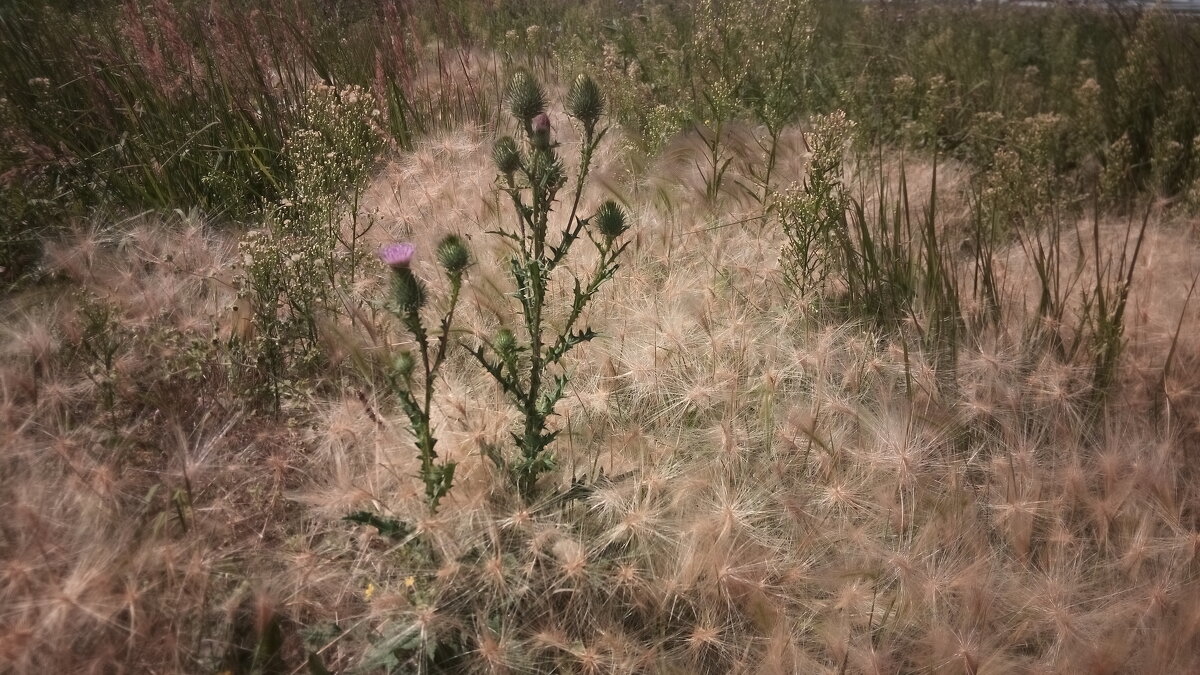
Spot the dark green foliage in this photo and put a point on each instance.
(414, 391)
(524, 368)
(181, 104)
(257, 640)
(953, 75)
(388, 527)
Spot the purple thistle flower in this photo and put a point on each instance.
(541, 131)
(397, 256)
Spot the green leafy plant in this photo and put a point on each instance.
(311, 245)
(171, 104)
(415, 390)
(102, 339)
(719, 108)
(813, 215)
(778, 40)
(528, 367)
(890, 265)
(1104, 308)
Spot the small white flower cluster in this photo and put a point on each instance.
(290, 268)
(810, 216)
(331, 155)
(1024, 180)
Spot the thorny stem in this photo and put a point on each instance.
(437, 478)
(531, 268)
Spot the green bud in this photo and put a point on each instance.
(402, 365)
(526, 100)
(452, 253)
(585, 102)
(505, 343)
(610, 220)
(547, 171)
(506, 155)
(541, 132)
(408, 291)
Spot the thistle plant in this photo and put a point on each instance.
(528, 367)
(415, 389)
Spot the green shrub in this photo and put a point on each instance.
(292, 269)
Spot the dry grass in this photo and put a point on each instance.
(771, 493)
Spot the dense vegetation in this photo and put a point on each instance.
(615, 336)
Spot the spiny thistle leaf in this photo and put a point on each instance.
(388, 527)
(566, 342)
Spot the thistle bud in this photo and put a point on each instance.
(547, 172)
(453, 255)
(407, 291)
(505, 343)
(610, 220)
(556, 177)
(526, 100)
(541, 132)
(506, 156)
(585, 102)
(402, 365)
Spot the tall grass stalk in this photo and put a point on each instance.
(164, 107)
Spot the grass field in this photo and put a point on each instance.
(782, 337)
